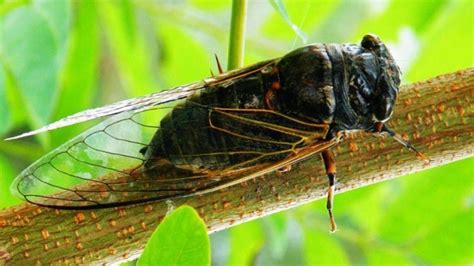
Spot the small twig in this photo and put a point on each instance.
(237, 34)
(437, 115)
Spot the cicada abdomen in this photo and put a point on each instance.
(233, 126)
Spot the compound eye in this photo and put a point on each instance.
(370, 41)
(384, 110)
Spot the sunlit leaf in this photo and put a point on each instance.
(7, 6)
(7, 175)
(394, 15)
(450, 242)
(57, 15)
(11, 99)
(181, 53)
(448, 44)
(80, 70)
(340, 25)
(32, 47)
(180, 239)
(434, 190)
(383, 255)
(133, 55)
(5, 115)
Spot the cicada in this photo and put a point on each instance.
(221, 131)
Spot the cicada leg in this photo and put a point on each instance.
(380, 128)
(330, 165)
(285, 169)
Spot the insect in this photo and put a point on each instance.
(221, 131)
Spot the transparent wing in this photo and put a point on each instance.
(106, 157)
(148, 101)
(103, 167)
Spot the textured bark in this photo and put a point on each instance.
(435, 114)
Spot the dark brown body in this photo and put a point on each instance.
(320, 84)
(235, 127)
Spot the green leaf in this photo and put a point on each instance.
(126, 39)
(418, 16)
(179, 47)
(5, 116)
(32, 45)
(440, 190)
(7, 6)
(383, 255)
(448, 44)
(8, 174)
(246, 240)
(11, 99)
(57, 15)
(450, 242)
(79, 75)
(279, 6)
(340, 25)
(180, 239)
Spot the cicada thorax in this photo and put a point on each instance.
(307, 89)
(329, 83)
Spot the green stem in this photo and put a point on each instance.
(237, 34)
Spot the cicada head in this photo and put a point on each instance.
(388, 79)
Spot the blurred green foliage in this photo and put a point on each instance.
(60, 57)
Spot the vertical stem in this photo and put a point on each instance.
(237, 34)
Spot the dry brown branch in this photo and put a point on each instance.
(436, 115)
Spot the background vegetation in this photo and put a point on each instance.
(60, 57)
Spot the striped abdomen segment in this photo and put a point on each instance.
(199, 134)
(194, 134)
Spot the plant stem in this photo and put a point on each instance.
(436, 114)
(237, 34)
